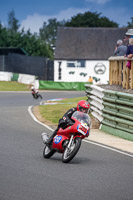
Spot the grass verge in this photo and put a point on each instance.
(13, 86)
(53, 113)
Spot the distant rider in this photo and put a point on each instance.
(82, 106)
(35, 93)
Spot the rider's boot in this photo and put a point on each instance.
(40, 96)
(49, 141)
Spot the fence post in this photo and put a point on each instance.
(120, 64)
(119, 74)
(131, 74)
(110, 72)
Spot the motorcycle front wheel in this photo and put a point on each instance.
(47, 152)
(69, 153)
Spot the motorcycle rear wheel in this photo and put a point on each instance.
(69, 154)
(47, 152)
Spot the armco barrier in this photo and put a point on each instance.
(113, 109)
(95, 95)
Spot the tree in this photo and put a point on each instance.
(49, 30)
(3, 36)
(90, 19)
(31, 43)
(130, 24)
(13, 23)
(34, 46)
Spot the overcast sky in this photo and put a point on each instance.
(32, 13)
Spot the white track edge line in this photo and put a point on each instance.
(110, 148)
(36, 120)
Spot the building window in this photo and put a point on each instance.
(76, 63)
(71, 64)
(81, 63)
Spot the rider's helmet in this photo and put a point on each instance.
(83, 106)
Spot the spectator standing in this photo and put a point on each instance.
(129, 52)
(90, 80)
(120, 49)
(128, 34)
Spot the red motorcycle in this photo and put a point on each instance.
(68, 141)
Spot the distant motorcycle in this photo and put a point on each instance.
(36, 95)
(68, 141)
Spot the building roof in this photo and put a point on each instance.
(87, 43)
(7, 50)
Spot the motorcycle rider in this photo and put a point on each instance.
(82, 106)
(35, 92)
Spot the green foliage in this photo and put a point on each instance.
(49, 30)
(31, 43)
(90, 19)
(130, 24)
(13, 23)
(34, 46)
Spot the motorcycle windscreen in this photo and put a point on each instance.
(82, 117)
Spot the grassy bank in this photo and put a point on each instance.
(13, 86)
(53, 113)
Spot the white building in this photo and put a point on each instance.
(84, 52)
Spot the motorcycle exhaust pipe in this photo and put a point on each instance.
(44, 137)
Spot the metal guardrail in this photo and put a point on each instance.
(113, 109)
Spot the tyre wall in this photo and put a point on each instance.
(113, 109)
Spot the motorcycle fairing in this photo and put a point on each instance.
(57, 142)
(68, 130)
